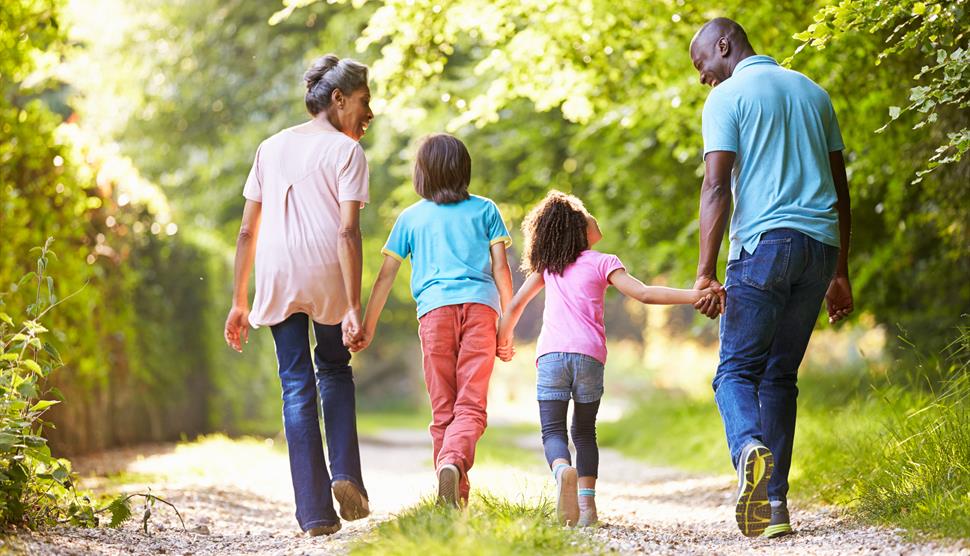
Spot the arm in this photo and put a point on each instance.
(654, 295)
(237, 323)
(502, 274)
(839, 294)
(715, 206)
(350, 255)
(506, 325)
(378, 297)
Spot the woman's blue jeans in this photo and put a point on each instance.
(773, 301)
(334, 380)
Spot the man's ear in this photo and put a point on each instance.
(723, 47)
(337, 97)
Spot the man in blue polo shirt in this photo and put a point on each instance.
(771, 139)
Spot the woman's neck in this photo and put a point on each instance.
(326, 118)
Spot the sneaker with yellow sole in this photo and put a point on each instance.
(753, 511)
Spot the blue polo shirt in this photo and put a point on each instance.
(450, 250)
(782, 127)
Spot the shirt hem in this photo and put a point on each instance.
(501, 239)
(734, 252)
(425, 310)
(579, 351)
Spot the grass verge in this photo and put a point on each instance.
(490, 525)
(897, 453)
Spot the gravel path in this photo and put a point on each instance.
(236, 498)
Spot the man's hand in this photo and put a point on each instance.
(839, 298)
(711, 306)
(237, 327)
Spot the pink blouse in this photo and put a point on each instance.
(301, 179)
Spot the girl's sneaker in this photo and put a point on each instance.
(353, 503)
(448, 485)
(587, 508)
(567, 497)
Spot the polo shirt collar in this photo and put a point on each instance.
(753, 60)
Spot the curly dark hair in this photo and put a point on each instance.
(555, 233)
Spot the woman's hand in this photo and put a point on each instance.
(237, 327)
(351, 328)
(361, 342)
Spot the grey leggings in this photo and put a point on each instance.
(552, 416)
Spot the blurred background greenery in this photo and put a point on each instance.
(128, 130)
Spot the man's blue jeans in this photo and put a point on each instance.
(335, 380)
(773, 301)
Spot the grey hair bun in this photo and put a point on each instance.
(327, 73)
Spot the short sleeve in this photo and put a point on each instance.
(353, 181)
(719, 124)
(399, 242)
(833, 135)
(254, 183)
(495, 226)
(608, 264)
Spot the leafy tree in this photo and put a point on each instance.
(129, 373)
(600, 98)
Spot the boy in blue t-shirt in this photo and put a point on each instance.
(461, 281)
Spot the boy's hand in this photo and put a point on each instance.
(505, 350)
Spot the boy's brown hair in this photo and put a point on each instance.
(555, 233)
(442, 169)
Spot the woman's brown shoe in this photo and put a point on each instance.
(353, 503)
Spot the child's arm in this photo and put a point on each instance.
(502, 274)
(655, 295)
(506, 325)
(378, 297)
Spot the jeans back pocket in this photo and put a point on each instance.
(768, 266)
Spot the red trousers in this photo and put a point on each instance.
(458, 348)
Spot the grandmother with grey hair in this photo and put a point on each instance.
(301, 227)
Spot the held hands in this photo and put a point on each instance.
(505, 349)
(354, 335)
(839, 298)
(713, 297)
(237, 327)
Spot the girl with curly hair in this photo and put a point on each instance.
(571, 350)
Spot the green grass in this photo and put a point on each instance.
(896, 454)
(489, 526)
(500, 445)
(373, 422)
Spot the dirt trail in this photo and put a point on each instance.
(236, 499)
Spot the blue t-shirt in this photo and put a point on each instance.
(450, 254)
(782, 127)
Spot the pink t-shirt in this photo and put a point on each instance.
(301, 179)
(572, 321)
